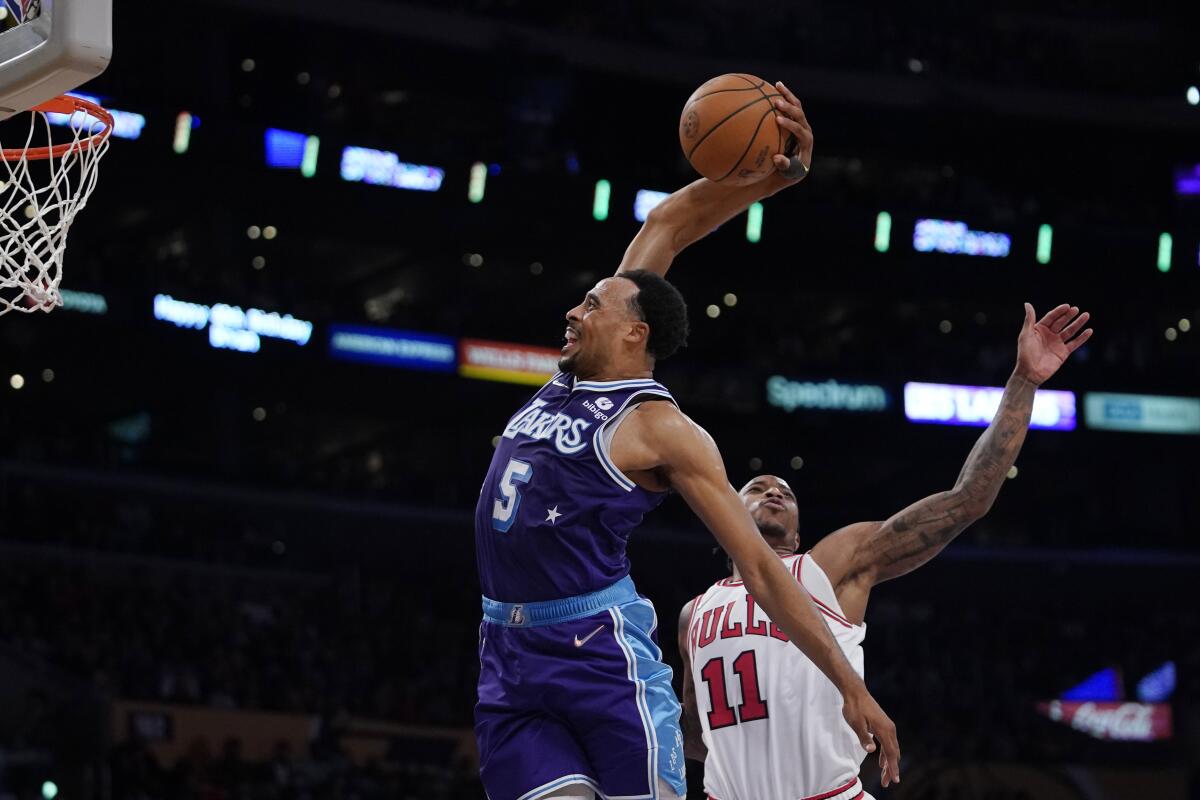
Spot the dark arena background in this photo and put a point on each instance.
(236, 555)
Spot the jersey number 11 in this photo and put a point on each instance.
(752, 707)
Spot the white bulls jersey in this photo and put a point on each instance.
(772, 721)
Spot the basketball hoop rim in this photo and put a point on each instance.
(64, 104)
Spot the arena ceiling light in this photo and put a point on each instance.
(384, 168)
(883, 232)
(955, 238)
(600, 200)
(754, 222)
(292, 150)
(1045, 242)
(478, 183)
(184, 123)
(1165, 244)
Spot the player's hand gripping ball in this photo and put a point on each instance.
(737, 128)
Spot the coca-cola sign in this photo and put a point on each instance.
(1123, 722)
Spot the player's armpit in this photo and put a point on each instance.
(839, 553)
(693, 741)
(862, 554)
(634, 449)
(841, 556)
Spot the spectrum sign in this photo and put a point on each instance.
(392, 348)
(946, 404)
(1142, 413)
(829, 395)
(506, 362)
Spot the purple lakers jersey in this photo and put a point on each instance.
(555, 514)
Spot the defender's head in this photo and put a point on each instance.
(632, 319)
(772, 504)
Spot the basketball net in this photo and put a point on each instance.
(42, 188)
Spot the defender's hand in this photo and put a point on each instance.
(789, 115)
(867, 720)
(1044, 346)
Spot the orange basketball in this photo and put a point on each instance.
(728, 130)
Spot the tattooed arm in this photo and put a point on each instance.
(861, 555)
(911, 537)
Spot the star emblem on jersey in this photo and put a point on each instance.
(552, 515)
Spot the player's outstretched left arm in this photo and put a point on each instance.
(698, 209)
(861, 555)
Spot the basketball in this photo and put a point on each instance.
(728, 130)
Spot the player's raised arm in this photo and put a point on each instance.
(657, 438)
(867, 553)
(698, 209)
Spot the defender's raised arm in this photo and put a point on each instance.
(867, 553)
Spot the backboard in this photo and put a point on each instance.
(48, 47)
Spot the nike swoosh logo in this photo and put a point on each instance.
(581, 642)
(556, 383)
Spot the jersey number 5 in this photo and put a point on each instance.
(752, 707)
(504, 511)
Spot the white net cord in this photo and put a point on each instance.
(39, 199)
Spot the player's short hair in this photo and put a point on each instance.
(662, 308)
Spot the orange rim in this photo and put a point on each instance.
(64, 104)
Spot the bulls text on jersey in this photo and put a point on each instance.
(732, 620)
